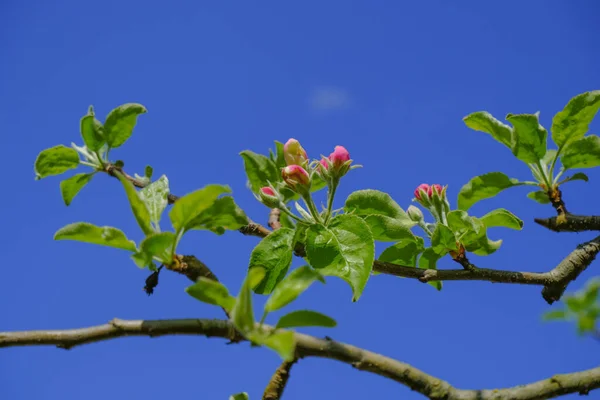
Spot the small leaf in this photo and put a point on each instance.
(443, 240)
(554, 315)
(484, 187)
(138, 207)
(55, 161)
(317, 183)
(529, 137)
(579, 176)
(573, 121)
(222, 215)
(291, 287)
(239, 396)
(549, 157)
(260, 170)
(274, 254)
(462, 224)
(283, 342)
(302, 318)
(190, 206)
(540, 196)
(92, 131)
(345, 249)
(303, 213)
(374, 202)
(585, 323)
(242, 314)
(70, 187)
(404, 252)
(155, 197)
(148, 172)
(101, 235)
(211, 292)
(120, 122)
(502, 217)
(428, 260)
(279, 159)
(582, 153)
(484, 122)
(388, 229)
(159, 245)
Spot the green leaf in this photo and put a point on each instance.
(443, 240)
(211, 292)
(260, 170)
(388, 229)
(138, 207)
(159, 245)
(502, 217)
(573, 121)
(317, 183)
(404, 252)
(291, 287)
(462, 224)
(279, 159)
(55, 161)
(549, 157)
(189, 207)
(222, 215)
(540, 196)
(554, 315)
(155, 197)
(242, 314)
(579, 176)
(428, 260)
(283, 342)
(345, 249)
(484, 122)
(484, 187)
(305, 318)
(120, 122)
(529, 137)
(274, 254)
(70, 187)
(92, 131)
(582, 153)
(89, 233)
(585, 323)
(239, 396)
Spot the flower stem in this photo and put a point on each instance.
(331, 196)
(312, 208)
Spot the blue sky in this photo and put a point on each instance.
(388, 80)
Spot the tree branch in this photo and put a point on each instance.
(308, 346)
(571, 223)
(274, 216)
(276, 386)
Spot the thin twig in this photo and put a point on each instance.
(308, 346)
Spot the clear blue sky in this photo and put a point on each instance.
(389, 80)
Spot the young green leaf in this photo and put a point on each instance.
(484, 122)
(345, 249)
(529, 137)
(443, 240)
(428, 260)
(211, 292)
(582, 153)
(222, 215)
(291, 287)
(302, 318)
(555, 315)
(159, 245)
(155, 197)
(484, 187)
(404, 252)
(70, 187)
(386, 229)
(101, 235)
(579, 176)
(274, 254)
(55, 161)
(283, 342)
(279, 159)
(540, 196)
(242, 314)
(239, 396)
(92, 131)
(190, 206)
(138, 207)
(573, 121)
(462, 224)
(502, 217)
(260, 170)
(120, 122)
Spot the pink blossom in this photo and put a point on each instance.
(339, 156)
(435, 187)
(267, 191)
(295, 175)
(423, 187)
(323, 163)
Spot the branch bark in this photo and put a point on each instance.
(308, 346)
(276, 386)
(571, 223)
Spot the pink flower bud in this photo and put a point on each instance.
(293, 153)
(339, 156)
(423, 188)
(435, 187)
(323, 163)
(267, 191)
(296, 177)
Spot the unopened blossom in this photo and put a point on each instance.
(294, 153)
(296, 177)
